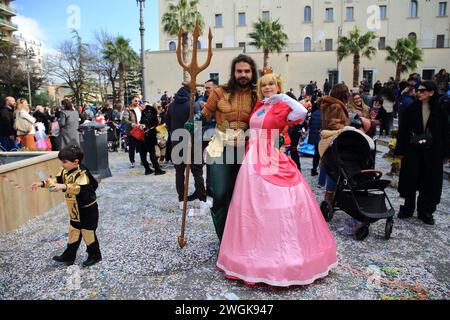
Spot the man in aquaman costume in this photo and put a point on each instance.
(231, 105)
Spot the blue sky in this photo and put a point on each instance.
(47, 20)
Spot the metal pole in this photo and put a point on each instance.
(142, 29)
(28, 75)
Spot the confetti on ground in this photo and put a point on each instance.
(138, 230)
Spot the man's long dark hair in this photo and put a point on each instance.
(233, 84)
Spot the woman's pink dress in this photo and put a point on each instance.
(275, 232)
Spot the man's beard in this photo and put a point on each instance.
(246, 85)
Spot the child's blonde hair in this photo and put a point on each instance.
(270, 78)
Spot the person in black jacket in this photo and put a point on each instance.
(177, 115)
(423, 146)
(8, 139)
(315, 124)
(150, 120)
(41, 116)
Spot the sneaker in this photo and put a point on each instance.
(133, 165)
(91, 261)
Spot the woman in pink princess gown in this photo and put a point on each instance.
(275, 232)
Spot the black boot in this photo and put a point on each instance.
(94, 255)
(91, 260)
(404, 214)
(426, 218)
(68, 258)
(159, 172)
(148, 171)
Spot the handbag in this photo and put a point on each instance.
(421, 141)
(138, 134)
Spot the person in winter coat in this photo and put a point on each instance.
(315, 124)
(334, 118)
(177, 115)
(8, 139)
(423, 145)
(69, 122)
(22, 114)
(150, 120)
(41, 116)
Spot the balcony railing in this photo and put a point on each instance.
(8, 25)
(320, 46)
(7, 10)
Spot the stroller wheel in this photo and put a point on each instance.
(388, 228)
(327, 210)
(362, 232)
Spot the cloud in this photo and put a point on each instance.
(30, 29)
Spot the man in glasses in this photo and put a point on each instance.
(131, 118)
(8, 139)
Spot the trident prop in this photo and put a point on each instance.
(194, 70)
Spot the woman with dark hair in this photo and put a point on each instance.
(388, 96)
(423, 147)
(150, 120)
(442, 81)
(69, 122)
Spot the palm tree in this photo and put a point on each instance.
(358, 45)
(269, 36)
(184, 14)
(119, 50)
(406, 55)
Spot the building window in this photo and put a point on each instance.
(218, 21)
(440, 41)
(307, 44)
(241, 18)
(442, 9)
(382, 43)
(333, 77)
(413, 9)
(241, 44)
(329, 14)
(214, 76)
(266, 15)
(307, 14)
(199, 44)
(328, 44)
(428, 74)
(218, 46)
(349, 14)
(383, 12)
(172, 46)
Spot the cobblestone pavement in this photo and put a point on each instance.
(138, 232)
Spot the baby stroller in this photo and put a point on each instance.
(360, 191)
(113, 136)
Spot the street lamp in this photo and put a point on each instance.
(141, 3)
(29, 54)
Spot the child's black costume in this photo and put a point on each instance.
(83, 211)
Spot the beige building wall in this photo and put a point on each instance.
(7, 27)
(163, 72)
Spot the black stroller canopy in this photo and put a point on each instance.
(352, 148)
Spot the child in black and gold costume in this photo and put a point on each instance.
(79, 187)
